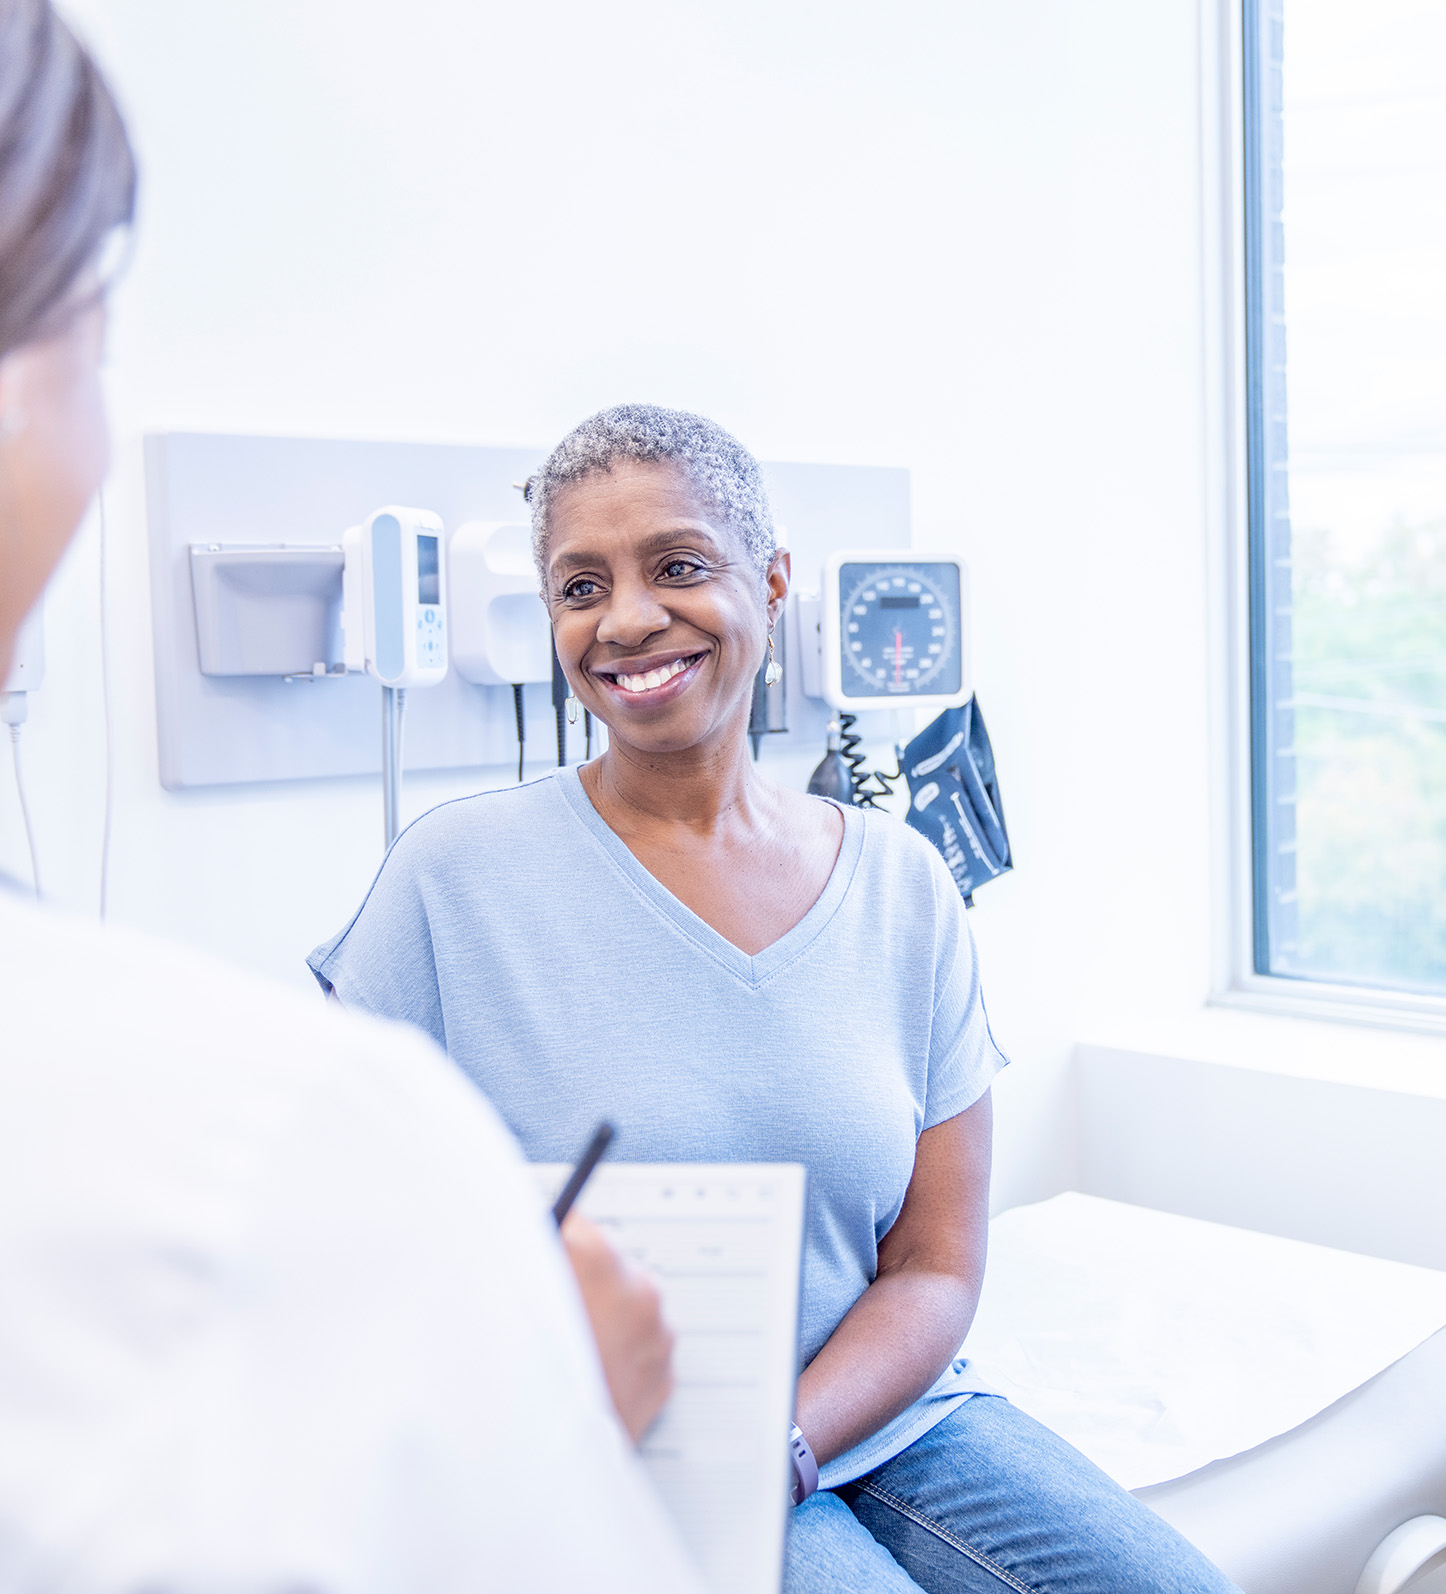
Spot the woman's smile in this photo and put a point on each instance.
(654, 679)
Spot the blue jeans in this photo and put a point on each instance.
(987, 1501)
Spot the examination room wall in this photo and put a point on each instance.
(958, 237)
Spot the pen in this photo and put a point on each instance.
(601, 1136)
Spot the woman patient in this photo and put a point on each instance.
(731, 971)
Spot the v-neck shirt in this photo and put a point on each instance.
(518, 930)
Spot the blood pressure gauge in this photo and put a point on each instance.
(893, 630)
(393, 614)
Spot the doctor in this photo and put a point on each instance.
(281, 1309)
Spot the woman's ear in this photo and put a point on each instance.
(777, 578)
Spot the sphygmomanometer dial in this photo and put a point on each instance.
(899, 631)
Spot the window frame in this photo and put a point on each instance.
(1237, 460)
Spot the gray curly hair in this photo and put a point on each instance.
(720, 470)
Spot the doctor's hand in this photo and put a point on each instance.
(627, 1321)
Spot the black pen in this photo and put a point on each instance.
(601, 1138)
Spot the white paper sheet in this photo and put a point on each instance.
(723, 1242)
(1156, 1344)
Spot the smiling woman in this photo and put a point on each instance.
(662, 606)
(765, 976)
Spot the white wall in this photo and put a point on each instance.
(957, 236)
(1320, 1160)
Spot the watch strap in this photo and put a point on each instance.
(805, 1468)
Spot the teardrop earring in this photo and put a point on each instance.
(570, 704)
(774, 673)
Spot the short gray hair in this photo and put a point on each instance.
(725, 476)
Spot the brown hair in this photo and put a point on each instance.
(67, 175)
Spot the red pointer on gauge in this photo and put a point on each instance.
(898, 658)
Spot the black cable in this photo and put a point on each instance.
(587, 733)
(521, 726)
(869, 785)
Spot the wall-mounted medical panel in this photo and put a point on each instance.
(245, 540)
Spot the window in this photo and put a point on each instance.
(1345, 263)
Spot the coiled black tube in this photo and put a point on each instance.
(869, 785)
(884, 788)
(849, 742)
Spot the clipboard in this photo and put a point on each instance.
(723, 1242)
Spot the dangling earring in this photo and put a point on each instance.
(774, 673)
(570, 704)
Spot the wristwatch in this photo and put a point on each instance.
(805, 1468)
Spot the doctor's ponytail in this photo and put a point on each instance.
(67, 175)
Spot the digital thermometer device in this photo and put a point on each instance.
(892, 630)
(394, 617)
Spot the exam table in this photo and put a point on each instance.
(1282, 1404)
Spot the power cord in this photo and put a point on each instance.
(106, 716)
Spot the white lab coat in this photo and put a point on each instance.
(279, 1307)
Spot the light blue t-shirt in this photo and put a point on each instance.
(517, 930)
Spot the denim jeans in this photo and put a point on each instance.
(987, 1501)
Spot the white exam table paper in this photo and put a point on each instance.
(1157, 1344)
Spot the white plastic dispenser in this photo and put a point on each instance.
(501, 635)
(267, 611)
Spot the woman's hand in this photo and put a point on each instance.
(635, 1343)
(906, 1328)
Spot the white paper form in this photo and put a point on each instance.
(723, 1243)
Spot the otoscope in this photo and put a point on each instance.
(519, 709)
(560, 694)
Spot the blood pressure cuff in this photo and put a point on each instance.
(954, 797)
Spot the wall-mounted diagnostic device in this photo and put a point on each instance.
(393, 616)
(501, 635)
(889, 629)
(892, 631)
(394, 622)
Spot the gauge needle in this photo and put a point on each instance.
(898, 658)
